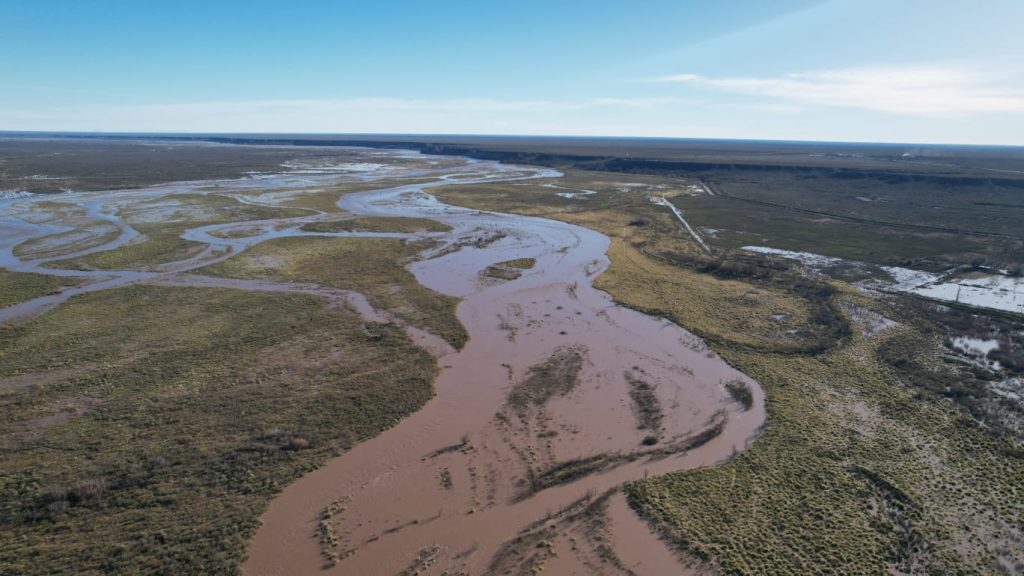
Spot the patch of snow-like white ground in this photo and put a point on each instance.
(577, 193)
(14, 194)
(310, 168)
(975, 346)
(808, 258)
(905, 279)
(977, 350)
(344, 167)
(1011, 388)
(630, 186)
(168, 210)
(871, 323)
(273, 197)
(994, 291)
(701, 187)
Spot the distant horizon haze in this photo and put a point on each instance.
(789, 70)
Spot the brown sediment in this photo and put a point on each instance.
(498, 436)
(638, 546)
(453, 485)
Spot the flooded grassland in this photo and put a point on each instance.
(893, 439)
(212, 341)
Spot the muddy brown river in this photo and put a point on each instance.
(559, 398)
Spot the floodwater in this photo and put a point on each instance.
(994, 289)
(464, 486)
(449, 487)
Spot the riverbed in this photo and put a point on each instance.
(472, 483)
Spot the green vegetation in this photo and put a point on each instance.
(146, 428)
(162, 221)
(90, 234)
(378, 224)
(582, 527)
(106, 164)
(330, 543)
(738, 223)
(374, 267)
(571, 470)
(159, 244)
(521, 263)
(17, 287)
(646, 406)
(325, 199)
(864, 467)
(816, 492)
(445, 478)
(765, 315)
(740, 393)
(509, 269)
(873, 213)
(556, 376)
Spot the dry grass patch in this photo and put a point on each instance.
(374, 267)
(646, 407)
(378, 224)
(326, 198)
(18, 287)
(89, 234)
(206, 403)
(161, 223)
(509, 269)
(859, 470)
(556, 376)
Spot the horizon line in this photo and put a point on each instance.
(177, 134)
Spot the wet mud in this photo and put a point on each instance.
(515, 465)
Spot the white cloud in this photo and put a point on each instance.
(937, 91)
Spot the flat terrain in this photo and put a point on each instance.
(886, 448)
(146, 427)
(49, 165)
(870, 291)
(19, 287)
(374, 267)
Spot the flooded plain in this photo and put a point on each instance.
(559, 397)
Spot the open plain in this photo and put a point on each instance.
(501, 357)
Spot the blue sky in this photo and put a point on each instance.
(946, 71)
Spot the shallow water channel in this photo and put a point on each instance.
(474, 482)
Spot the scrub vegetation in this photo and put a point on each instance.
(89, 235)
(158, 244)
(17, 287)
(556, 376)
(646, 406)
(868, 463)
(509, 269)
(375, 267)
(325, 198)
(378, 224)
(146, 428)
(161, 223)
(46, 164)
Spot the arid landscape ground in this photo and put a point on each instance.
(411, 355)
